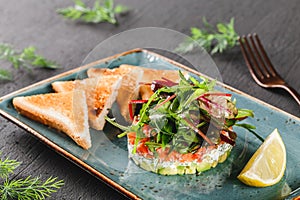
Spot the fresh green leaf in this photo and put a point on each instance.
(247, 126)
(29, 188)
(196, 33)
(213, 40)
(242, 113)
(24, 189)
(27, 58)
(222, 28)
(7, 166)
(187, 46)
(101, 12)
(120, 9)
(250, 128)
(178, 116)
(112, 121)
(79, 3)
(5, 75)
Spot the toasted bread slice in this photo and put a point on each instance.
(149, 76)
(154, 74)
(129, 88)
(66, 112)
(100, 95)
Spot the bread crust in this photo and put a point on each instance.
(132, 86)
(66, 112)
(129, 87)
(100, 94)
(149, 75)
(154, 74)
(78, 104)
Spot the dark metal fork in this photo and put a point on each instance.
(261, 67)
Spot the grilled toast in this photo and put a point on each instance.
(136, 82)
(129, 88)
(66, 112)
(100, 94)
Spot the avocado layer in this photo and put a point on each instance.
(209, 160)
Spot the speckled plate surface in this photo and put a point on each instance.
(107, 159)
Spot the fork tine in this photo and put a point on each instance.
(265, 56)
(250, 58)
(259, 53)
(262, 58)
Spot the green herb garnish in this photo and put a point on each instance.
(28, 188)
(212, 40)
(5, 75)
(184, 115)
(101, 12)
(27, 59)
(7, 166)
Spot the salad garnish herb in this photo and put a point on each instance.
(101, 12)
(28, 188)
(213, 40)
(27, 58)
(179, 115)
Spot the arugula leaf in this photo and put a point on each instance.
(125, 129)
(246, 126)
(213, 40)
(181, 115)
(28, 188)
(242, 113)
(27, 58)
(101, 12)
(250, 128)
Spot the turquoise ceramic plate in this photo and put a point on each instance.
(107, 159)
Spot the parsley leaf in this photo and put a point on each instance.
(27, 58)
(212, 40)
(5, 75)
(101, 12)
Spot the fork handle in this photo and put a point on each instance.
(293, 92)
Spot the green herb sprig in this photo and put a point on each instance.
(24, 189)
(27, 58)
(179, 116)
(7, 167)
(101, 12)
(212, 40)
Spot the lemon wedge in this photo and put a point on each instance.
(267, 165)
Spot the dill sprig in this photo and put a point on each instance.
(7, 166)
(24, 189)
(100, 12)
(213, 40)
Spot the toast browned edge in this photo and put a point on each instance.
(100, 92)
(66, 112)
(132, 87)
(129, 88)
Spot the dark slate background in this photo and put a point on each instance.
(35, 22)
